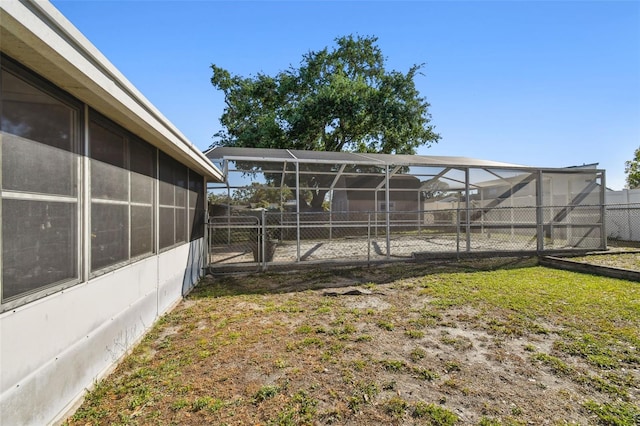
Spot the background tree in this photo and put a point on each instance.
(632, 170)
(341, 99)
(260, 195)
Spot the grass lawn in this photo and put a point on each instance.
(501, 342)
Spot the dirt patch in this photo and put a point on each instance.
(370, 346)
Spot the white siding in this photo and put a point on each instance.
(55, 348)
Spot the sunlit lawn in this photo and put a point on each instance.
(491, 343)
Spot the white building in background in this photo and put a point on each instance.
(102, 214)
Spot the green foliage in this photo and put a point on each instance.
(363, 393)
(597, 351)
(93, 408)
(300, 411)
(616, 414)
(632, 170)
(434, 414)
(393, 364)
(340, 99)
(417, 354)
(414, 334)
(486, 421)
(179, 404)
(266, 392)
(203, 402)
(259, 195)
(396, 407)
(425, 373)
(556, 364)
(386, 325)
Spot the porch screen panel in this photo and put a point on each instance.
(39, 139)
(123, 179)
(572, 212)
(196, 205)
(109, 194)
(143, 167)
(181, 184)
(173, 182)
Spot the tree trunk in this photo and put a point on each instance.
(318, 199)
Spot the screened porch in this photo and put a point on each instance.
(278, 207)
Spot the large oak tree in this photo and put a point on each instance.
(338, 99)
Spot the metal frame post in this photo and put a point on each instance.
(297, 211)
(263, 243)
(603, 211)
(369, 239)
(467, 219)
(388, 219)
(539, 214)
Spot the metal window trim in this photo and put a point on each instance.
(36, 196)
(85, 261)
(78, 117)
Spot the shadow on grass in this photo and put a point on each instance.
(327, 276)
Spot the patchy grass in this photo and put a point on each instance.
(493, 342)
(629, 261)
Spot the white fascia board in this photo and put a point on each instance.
(38, 35)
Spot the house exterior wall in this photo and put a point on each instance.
(75, 337)
(58, 338)
(403, 195)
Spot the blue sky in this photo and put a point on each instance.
(538, 83)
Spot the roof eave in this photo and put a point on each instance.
(37, 35)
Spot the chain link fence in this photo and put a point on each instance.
(623, 222)
(264, 238)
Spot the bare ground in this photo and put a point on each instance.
(362, 347)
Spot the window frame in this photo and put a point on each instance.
(80, 202)
(171, 173)
(17, 70)
(129, 139)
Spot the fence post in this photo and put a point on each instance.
(458, 231)
(209, 241)
(263, 242)
(603, 212)
(467, 220)
(540, 214)
(369, 239)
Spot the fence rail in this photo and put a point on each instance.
(261, 238)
